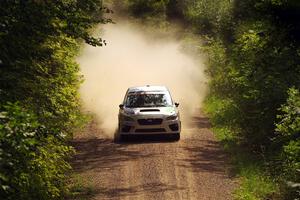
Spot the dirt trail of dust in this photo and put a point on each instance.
(154, 168)
(133, 58)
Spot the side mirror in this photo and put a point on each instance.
(176, 104)
(121, 106)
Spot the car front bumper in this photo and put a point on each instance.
(149, 125)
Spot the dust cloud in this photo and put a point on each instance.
(134, 58)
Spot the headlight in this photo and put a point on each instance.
(128, 111)
(172, 117)
(129, 119)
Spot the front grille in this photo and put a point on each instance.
(151, 121)
(148, 130)
(174, 127)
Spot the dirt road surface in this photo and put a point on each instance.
(154, 167)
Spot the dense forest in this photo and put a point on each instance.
(254, 88)
(39, 80)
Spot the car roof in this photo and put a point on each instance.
(148, 88)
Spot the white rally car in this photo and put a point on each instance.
(149, 110)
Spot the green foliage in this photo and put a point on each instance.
(144, 8)
(32, 161)
(254, 57)
(208, 16)
(39, 42)
(250, 53)
(222, 112)
(288, 134)
(289, 125)
(255, 185)
(156, 11)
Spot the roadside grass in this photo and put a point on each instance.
(255, 184)
(250, 168)
(80, 188)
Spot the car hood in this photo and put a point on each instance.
(171, 110)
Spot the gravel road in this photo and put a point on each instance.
(154, 167)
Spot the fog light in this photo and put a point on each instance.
(174, 127)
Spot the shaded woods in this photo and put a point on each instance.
(39, 80)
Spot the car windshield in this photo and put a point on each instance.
(148, 99)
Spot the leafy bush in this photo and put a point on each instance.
(39, 42)
(255, 182)
(255, 185)
(288, 134)
(208, 16)
(253, 49)
(32, 161)
(252, 59)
